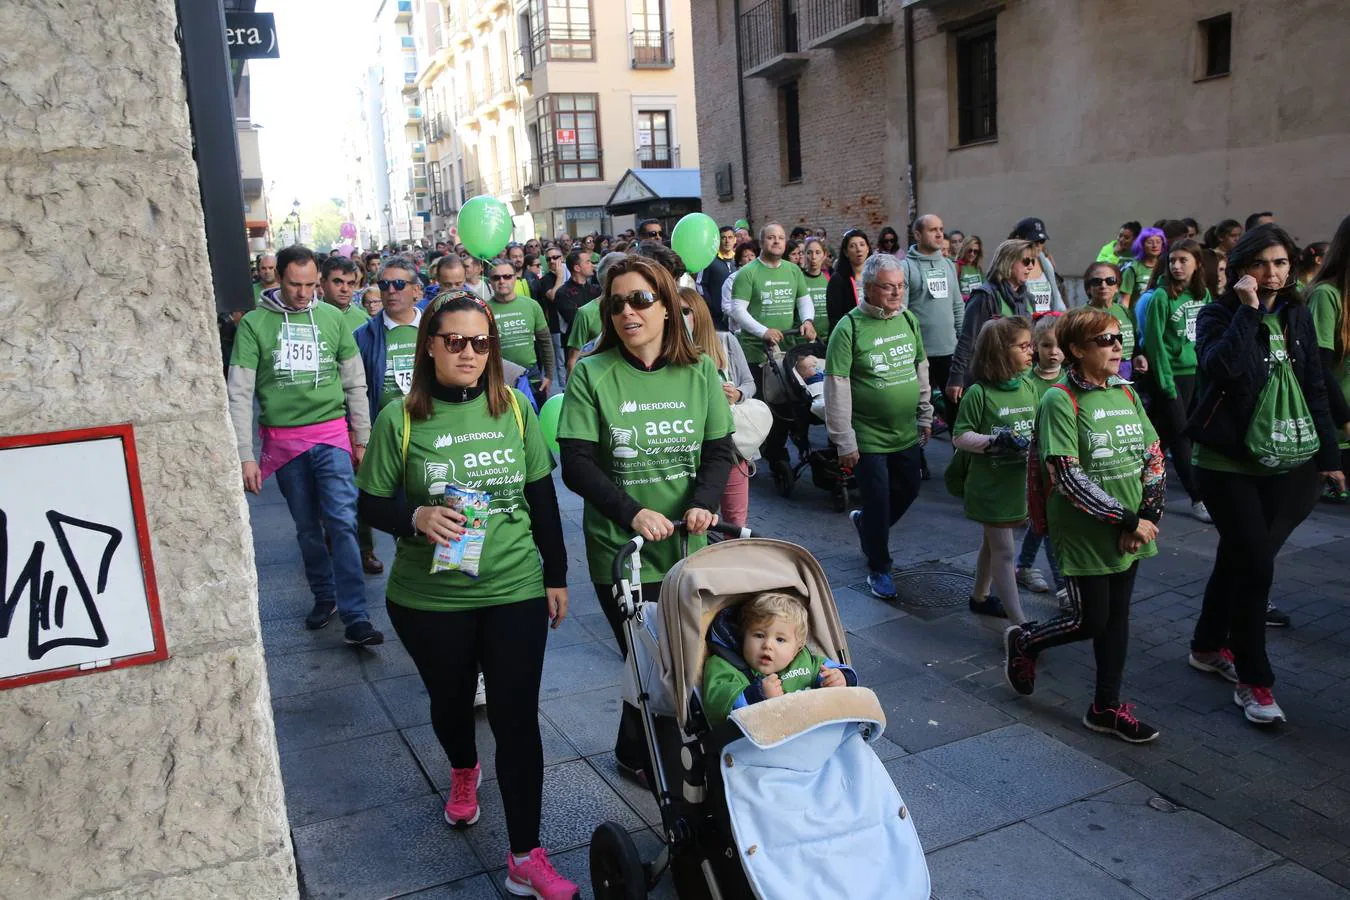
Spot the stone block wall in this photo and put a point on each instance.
(159, 780)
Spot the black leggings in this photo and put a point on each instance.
(507, 642)
(1101, 615)
(630, 746)
(1169, 420)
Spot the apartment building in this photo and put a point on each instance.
(547, 104)
(250, 161)
(404, 214)
(845, 113)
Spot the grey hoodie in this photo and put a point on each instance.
(933, 294)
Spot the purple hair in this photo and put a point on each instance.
(1138, 246)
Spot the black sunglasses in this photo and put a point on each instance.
(397, 284)
(554, 258)
(1107, 339)
(502, 277)
(1098, 282)
(639, 300)
(1028, 261)
(481, 343)
(652, 234)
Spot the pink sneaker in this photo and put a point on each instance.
(537, 878)
(461, 810)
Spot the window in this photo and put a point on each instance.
(654, 150)
(650, 47)
(562, 30)
(976, 86)
(1216, 47)
(569, 137)
(792, 133)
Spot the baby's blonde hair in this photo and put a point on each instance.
(775, 605)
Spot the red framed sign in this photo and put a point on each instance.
(77, 584)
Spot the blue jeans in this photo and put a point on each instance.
(1031, 544)
(887, 483)
(559, 362)
(320, 490)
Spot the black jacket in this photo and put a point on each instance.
(710, 281)
(1232, 352)
(839, 296)
(990, 300)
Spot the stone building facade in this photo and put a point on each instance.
(1103, 111)
(158, 780)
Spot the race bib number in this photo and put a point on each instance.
(1040, 296)
(299, 349)
(403, 372)
(937, 284)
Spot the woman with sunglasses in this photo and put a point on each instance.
(970, 265)
(1105, 471)
(1004, 293)
(645, 436)
(461, 429)
(1102, 280)
(1259, 322)
(888, 241)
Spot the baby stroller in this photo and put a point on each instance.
(783, 801)
(790, 401)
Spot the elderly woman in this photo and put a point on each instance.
(877, 409)
(1004, 293)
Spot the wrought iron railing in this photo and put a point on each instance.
(658, 156)
(652, 49)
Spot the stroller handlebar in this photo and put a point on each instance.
(637, 542)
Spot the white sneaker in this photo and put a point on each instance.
(1258, 704)
(1032, 580)
(480, 696)
(1200, 513)
(1220, 662)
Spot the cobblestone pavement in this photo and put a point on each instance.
(1011, 796)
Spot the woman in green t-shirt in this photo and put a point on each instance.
(461, 429)
(970, 265)
(1105, 471)
(1326, 298)
(1102, 281)
(1136, 273)
(994, 426)
(645, 437)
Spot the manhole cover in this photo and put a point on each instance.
(929, 592)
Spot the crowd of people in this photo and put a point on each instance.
(399, 391)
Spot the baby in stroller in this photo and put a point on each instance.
(758, 650)
(811, 370)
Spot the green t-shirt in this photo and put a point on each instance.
(1122, 315)
(1169, 336)
(1324, 301)
(723, 683)
(257, 293)
(969, 279)
(517, 322)
(586, 326)
(1207, 457)
(650, 428)
(354, 315)
(1134, 277)
(815, 286)
(296, 357)
(1109, 436)
(1041, 383)
(462, 444)
(879, 357)
(771, 293)
(399, 343)
(996, 486)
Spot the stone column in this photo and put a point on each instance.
(158, 780)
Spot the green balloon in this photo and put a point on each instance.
(695, 240)
(484, 226)
(548, 420)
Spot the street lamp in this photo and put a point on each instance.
(389, 223)
(408, 199)
(295, 210)
(370, 233)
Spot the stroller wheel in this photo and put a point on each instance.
(840, 501)
(616, 868)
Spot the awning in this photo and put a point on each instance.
(639, 187)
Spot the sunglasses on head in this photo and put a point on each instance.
(397, 284)
(481, 343)
(1110, 280)
(1107, 339)
(639, 300)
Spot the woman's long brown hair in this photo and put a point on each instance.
(419, 399)
(677, 348)
(705, 332)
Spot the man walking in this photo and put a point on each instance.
(338, 284)
(579, 290)
(267, 276)
(298, 358)
(711, 278)
(933, 295)
(523, 330)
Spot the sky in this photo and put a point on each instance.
(325, 46)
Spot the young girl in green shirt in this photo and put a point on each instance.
(995, 424)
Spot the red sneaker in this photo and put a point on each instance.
(537, 878)
(461, 810)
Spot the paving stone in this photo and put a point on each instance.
(382, 852)
(634, 794)
(1283, 880)
(1022, 768)
(340, 779)
(923, 713)
(328, 717)
(406, 699)
(945, 809)
(1018, 863)
(861, 610)
(1160, 854)
(589, 721)
(301, 673)
(429, 754)
(580, 668)
(875, 664)
(479, 887)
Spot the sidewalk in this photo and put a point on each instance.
(1012, 797)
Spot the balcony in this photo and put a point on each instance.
(658, 157)
(409, 82)
(403, 12)
(408, 43)
(524, 65)
(529, 179)
(652, 49)
(469, 189)
(508, 183)
(562, 43)
(419, 152)
(833, 23)
(768, 35)
(413, 115)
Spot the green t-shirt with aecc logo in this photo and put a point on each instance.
(296, 357)
(354, 315)
(1169, 336)
(517, 322)
(996, 486)
(879, 357)
(1207, 457)
(815, 286)
(1324, 301)
(650, 428)
(1041, 383)
(1134, 277)
(586, 325)
(399, 343)
(1122, 315)
(771, 293)
(1109, 435)
(969, 279)
(462, 444)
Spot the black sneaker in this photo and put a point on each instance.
(1276, 617)
(363, 634)
(1019, 667)
(989, 606)
(1120, 721)
(318, 616)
